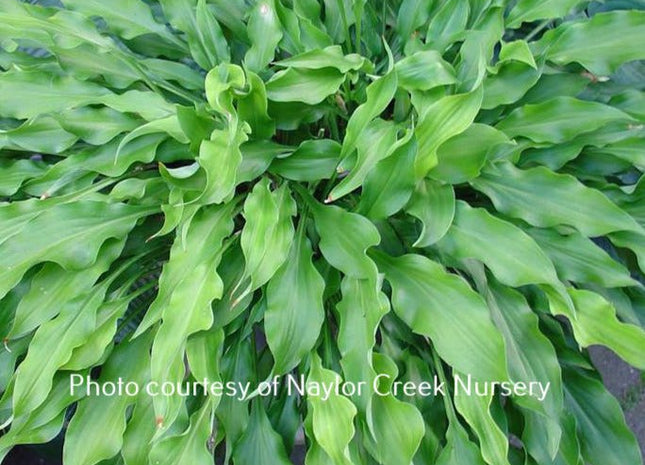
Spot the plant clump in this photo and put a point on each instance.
(383, 230)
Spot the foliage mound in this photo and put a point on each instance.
(235, 190)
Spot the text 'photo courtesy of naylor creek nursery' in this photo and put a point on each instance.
(322, 232)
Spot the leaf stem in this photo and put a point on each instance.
(343, 16)
(128, 318)
(450, 409)
(359, 17)
(537, 29)
(305, 195)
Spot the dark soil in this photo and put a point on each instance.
(27, 455)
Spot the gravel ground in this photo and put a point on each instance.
(627, 384)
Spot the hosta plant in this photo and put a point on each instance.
(385, 192)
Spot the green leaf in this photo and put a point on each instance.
(139, 432)
(95, 159)
(257, 155)
(578, 259)
(492, 440)
(87, 440)
(191, 446)
(421, 291)
(550, 86)
(55, 284)
(311, 161)
(462, 157)
(424, 71)
(203, 34)
(66, 28)
(304, 85)
(376, 142)
(344, 240)
(546, 199)
(86, 61)
(338, 18)
(27, 94)
(332, 417)
(260, 443)
(511, 82)
(96, 126)
(265, 32)
(97, 346)
(51, 347)
(559, 119)
(31, 93)
(178, 72)
(531, 356)
(232, 414)
(44, 423)
(291, 41)
(378, 96)
(221, 157)
(596, 323)
(633, 241)
(459, 449)
(440, 121)
(211, 34)
(253, 109)
(448, 24)
(41, 134)
(68, 234)
(185, 303)
(220, 83)
(291, 115)
(514, 258)
(14, 173)
(595, 44)
(130, 189)
(604, 437)
(295, 310)
(530, 10)
(8, 361)
(268, 231)
(16, 215)
(204, 353)
(390, 184)
(360, 311)
(631, 101)
(149, 105)
(478, 48)
(231, 15)
(397, 426)
(128, 19)
(235, 299)
(312, 35)
(434, 205)
(412, 15)
(631, 150)
(517, 50)
(168, 125)
(285, 415)
(328, 57)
